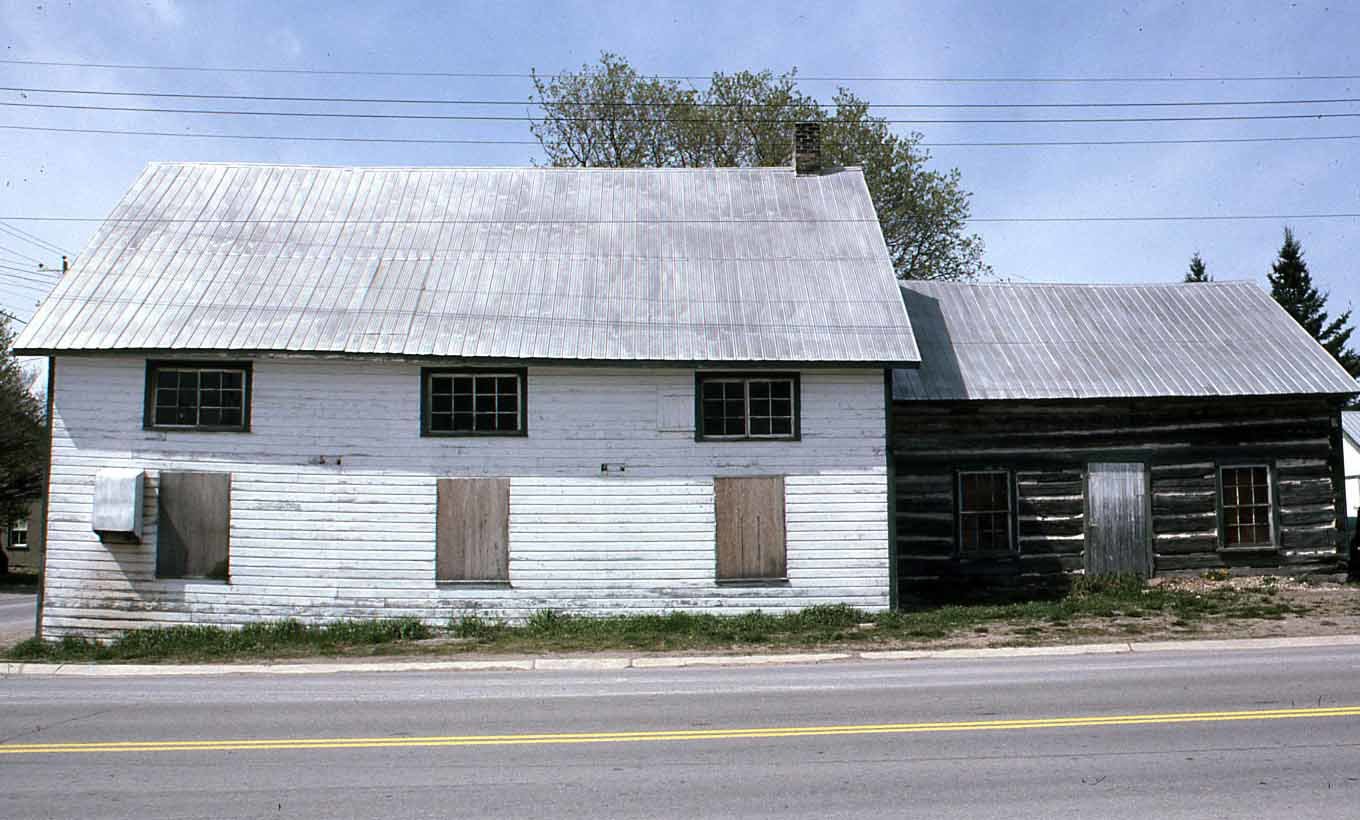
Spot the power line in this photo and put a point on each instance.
(763, 121)
(35, 260)
(436, 141)
(279, 137)
(15, 279)
(1187, 141)
(30, 271)
(1196, 218)
(630, 104)
(33, 239)
(12, 317)
(491, 75)
(290, 221)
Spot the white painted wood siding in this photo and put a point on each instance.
(357, 540)
(1351, 469)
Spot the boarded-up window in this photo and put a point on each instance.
(472, 530)
(194, 524)
(984, 512)
(1246, 506)
(750, 528)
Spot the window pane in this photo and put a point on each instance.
(760, 390)
(167, 379)
(1246, 506)
(210, 417)
(441, 404)
(461, 422)
(760, 426)
(231, 417)
(781, 427)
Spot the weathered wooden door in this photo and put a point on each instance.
(1117, 530)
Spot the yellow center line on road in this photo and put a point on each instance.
(94, 747)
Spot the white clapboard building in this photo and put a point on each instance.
(321, 393)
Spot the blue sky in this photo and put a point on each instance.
(74, 175)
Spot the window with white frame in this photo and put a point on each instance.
(1245, 499)
(984, 503)
(736, 407)
(18, 534)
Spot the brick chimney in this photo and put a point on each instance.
(807, 148)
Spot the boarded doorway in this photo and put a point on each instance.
(1117, 531)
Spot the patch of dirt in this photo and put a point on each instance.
(1314, 608)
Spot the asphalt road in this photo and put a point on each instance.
(1175, 735)
(17, 613)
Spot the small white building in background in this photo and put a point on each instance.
(320, 393)
(1350, 445)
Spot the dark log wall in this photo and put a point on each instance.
(1047, 446)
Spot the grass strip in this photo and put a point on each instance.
(1125, 601)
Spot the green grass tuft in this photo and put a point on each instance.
(196, 643)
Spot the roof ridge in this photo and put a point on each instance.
(572, 168)
(944, 283)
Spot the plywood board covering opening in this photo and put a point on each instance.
(750, 533)
(193, 526)
(472, 531)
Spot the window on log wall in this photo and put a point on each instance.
(984, 513)
(193, 525)
(1244, 494)
(751, 536)
(472, 530)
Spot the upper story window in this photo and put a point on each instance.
(473, 402)
(984, 512)
(738, 407)
(212, 396)
(1244, 494)
(18, 534)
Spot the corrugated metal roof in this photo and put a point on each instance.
(1043, 341)
(533, 263)
(1350, 424)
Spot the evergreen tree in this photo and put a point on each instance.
(1292, 286)
(1198, 273)
(23, 433)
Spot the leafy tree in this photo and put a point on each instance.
(1198, 273)
(23, 433)
(610, 115)
(1292, 286)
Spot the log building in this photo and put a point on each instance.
(1054, 429)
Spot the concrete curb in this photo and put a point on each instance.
(615, 663)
